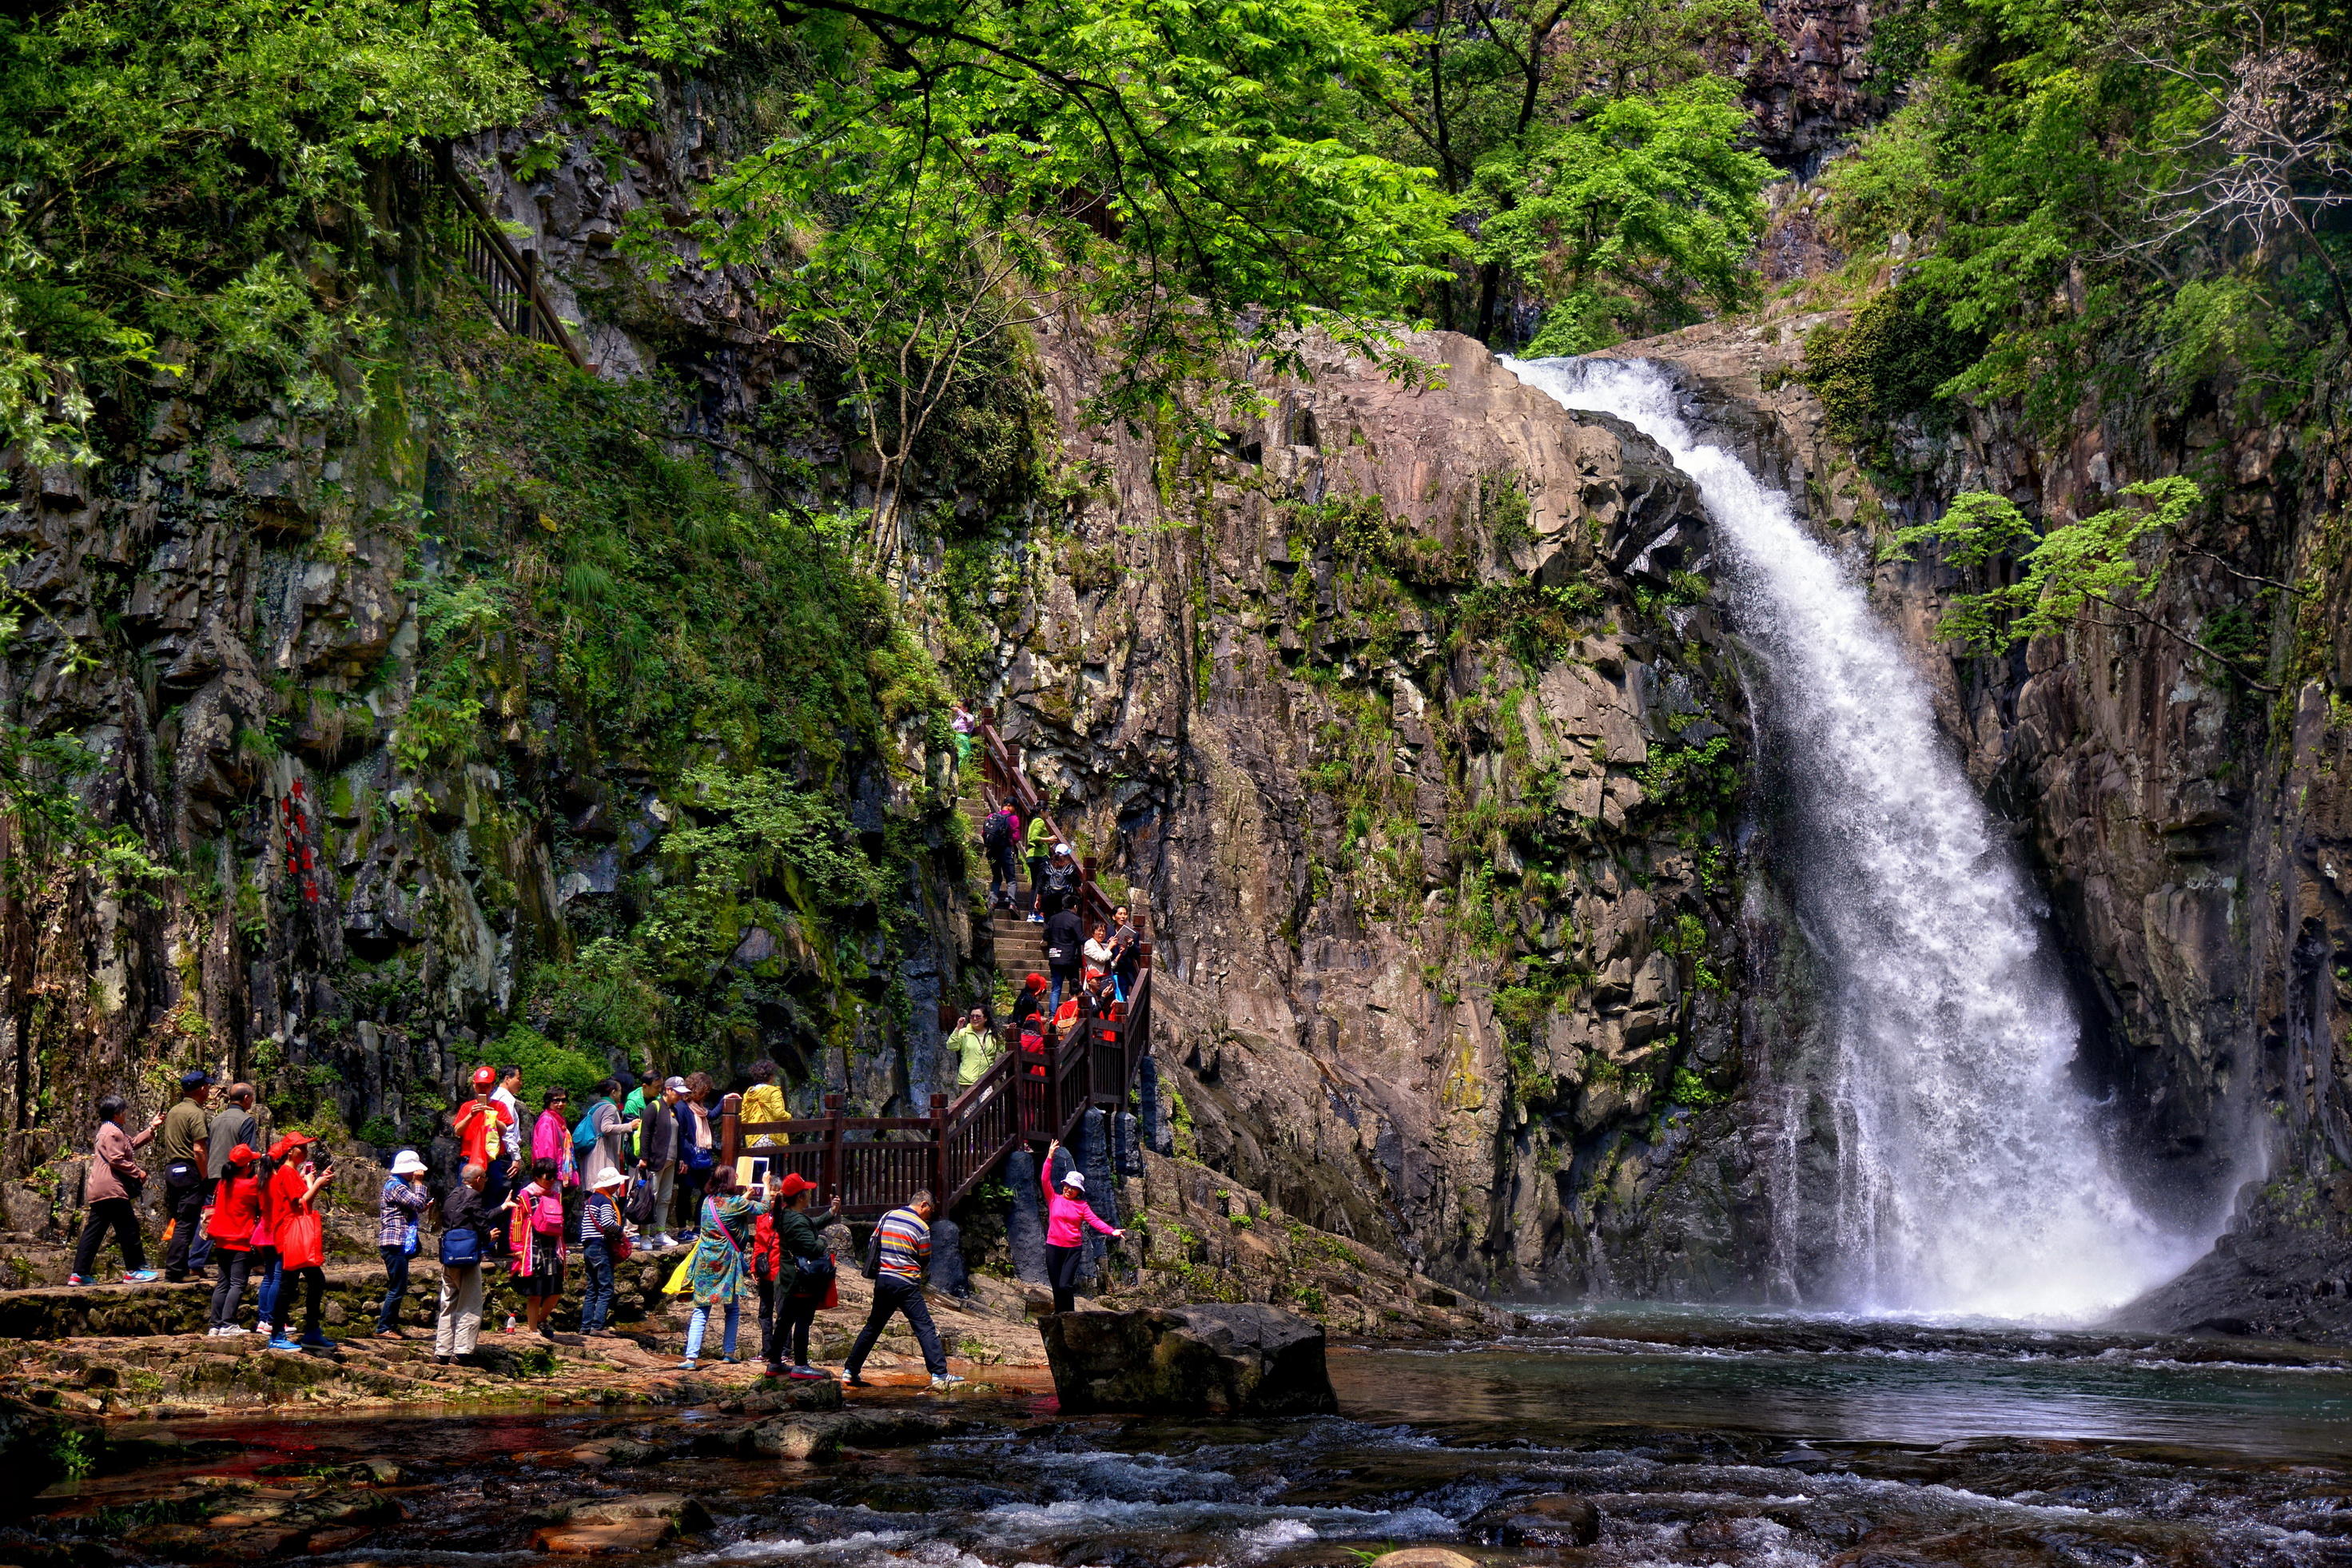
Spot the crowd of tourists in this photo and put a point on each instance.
(633, 1171)
(1091, 968)
(636, 1169)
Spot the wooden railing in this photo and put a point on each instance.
(509, 278)
(873, 1163)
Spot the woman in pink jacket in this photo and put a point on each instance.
(1066, 1211)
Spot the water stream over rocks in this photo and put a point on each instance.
(1750, 1441)
(1968, 1176)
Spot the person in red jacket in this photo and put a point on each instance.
(237, 1211)
(481, 1121)
(301, 1238)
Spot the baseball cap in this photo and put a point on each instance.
(675, 1083)
(486, 1077)
(195, 1077)
(794, 1186)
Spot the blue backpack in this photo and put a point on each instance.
(584, 1133)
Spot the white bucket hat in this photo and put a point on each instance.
(407, 1162)
(1075, 1180)
(615, 1177)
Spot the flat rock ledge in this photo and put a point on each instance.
(1235, 1358)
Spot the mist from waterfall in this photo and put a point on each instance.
(1969, 1171)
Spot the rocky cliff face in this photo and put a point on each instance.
(243, 614)
(1407, 716)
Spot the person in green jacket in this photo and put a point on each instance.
(1039, 841)
(973, 1045)
(799, 1292)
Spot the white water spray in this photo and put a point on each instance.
(1969, 1175)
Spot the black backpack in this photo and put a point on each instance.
(996, 833)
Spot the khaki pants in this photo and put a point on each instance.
(461, 1311)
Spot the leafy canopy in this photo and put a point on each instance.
(2069, 570)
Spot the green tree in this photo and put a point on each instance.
(1495, 84)
(2103, 567)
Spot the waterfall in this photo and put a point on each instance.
(1968, 1173)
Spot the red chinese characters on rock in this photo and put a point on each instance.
(300, 860)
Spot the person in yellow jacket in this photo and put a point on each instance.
(763, 1101)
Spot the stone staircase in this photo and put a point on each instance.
(1020, 946)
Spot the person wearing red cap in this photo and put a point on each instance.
(480, 1122)
(237, 1211)
(794, 1269)
(301, 1239)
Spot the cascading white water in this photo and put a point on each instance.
(1970, 1179)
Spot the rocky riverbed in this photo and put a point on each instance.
(1648, 1439)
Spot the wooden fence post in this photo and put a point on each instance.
(832, 1148)
(731, 1115)
(940, 1185)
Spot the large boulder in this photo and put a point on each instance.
(1242, 1359)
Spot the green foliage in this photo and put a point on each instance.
(1179, 170)
(1691, 1090)
(1632, 220)
(2071, 568)
(1891, 362)
(603, 1004)
(546, 1065)
(2090, 194)
(1536, 625)
(1576, 107)
(1695, 786)
(169, 154)
(56, 837)
(759, 843)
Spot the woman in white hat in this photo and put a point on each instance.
(404, 1198)
(1066, 1211)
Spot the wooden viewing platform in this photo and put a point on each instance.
(873, 1163)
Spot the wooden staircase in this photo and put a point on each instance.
(872, 1163)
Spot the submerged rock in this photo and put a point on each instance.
(1243, 1358)
(1552, 1519)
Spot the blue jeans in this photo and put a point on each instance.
(701, 1317)
(597, 1301)
(272, 1279)
(1061, 977)
(395, 1271)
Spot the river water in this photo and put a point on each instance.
(1772, 1441)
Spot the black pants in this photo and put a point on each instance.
(785, 1315)
(313, 1279)
(395, 1273)
(1062, 1269)
(183, 1205)
(896, 1293)
(1037, 878)
(689, 1197)
(236, 1266)
(497, 1175)
(118, 1213)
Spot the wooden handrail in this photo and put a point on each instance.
(870, 1162)
(537, 319)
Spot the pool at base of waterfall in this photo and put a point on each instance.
(1697, 1438)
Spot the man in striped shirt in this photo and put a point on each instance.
(902, 1250)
